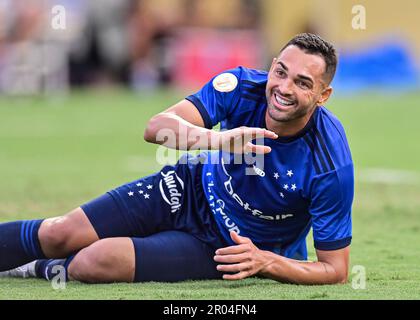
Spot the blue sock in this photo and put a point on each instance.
(45, 268)
(19, 243)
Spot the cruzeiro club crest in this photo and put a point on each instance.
(170, 190)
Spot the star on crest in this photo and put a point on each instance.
(286, 187)
(139, 184)
(131, 193)
(276, 175)
(294, 187)
(149, 186)
(289, 173)
(146, 196)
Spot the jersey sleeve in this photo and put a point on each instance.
(218, 98)
(331, 202)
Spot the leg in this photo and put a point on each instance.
(24, 241)
(172, 256)
(61, 236)
(166, 256)
(137, 209)
(107, 260)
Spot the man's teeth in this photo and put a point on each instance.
(283, 102)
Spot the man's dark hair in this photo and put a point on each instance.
(314, 44)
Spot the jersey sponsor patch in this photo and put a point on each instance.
(171, 188)
(225, 82)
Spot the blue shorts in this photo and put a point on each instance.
(169, 220)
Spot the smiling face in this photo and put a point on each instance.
(296, 85)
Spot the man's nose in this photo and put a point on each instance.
(285, 87)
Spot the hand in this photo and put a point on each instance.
(244, 258)
(238, 140)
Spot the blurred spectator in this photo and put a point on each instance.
(102, 50)
(152, 24)
(156, 23)
(21, 24)
(34, 56)
(105, 41)
(233, 14)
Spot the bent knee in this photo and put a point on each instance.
(102, 262)
(92, 264)
(53, 236)
(62, 235)
(84, 267)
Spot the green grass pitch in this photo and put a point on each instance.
(58, 153)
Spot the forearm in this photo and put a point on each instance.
(299, 272)
(174, 132)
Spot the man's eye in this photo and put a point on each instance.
(303, 85)
(280, 73)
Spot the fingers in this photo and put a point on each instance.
(270, 134)
(256, 133)
(233, 249)
(239, 239)
(240, 270)
(238, 258)
(258, 149)
(232, 258)
(236, 276)
(238, 267)
(239, 140)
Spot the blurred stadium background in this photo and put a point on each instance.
(145, 44)
(74, 102)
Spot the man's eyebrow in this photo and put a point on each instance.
(301, 76)
(283, 65)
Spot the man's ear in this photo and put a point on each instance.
(325, 95)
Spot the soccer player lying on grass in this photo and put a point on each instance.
(208, 217)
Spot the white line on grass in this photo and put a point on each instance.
(388, 176)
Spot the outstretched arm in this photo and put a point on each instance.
(182, 127)
(245, 259)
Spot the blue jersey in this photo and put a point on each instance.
(307, 180)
